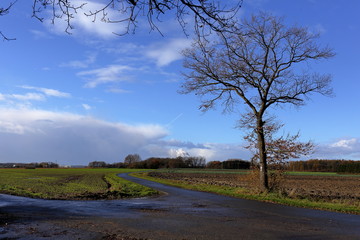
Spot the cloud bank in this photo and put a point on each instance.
(29, 135)
(35, 135)
(345, 148)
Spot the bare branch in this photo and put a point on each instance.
(205, 12)
(279, 148)
(5, 38)
(4, 11)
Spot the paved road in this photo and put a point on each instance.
(178, 214)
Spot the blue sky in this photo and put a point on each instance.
(95, 96)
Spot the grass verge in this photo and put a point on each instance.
(246, 194)
(74, 184)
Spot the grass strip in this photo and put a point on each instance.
(246, 194)
(128, 188)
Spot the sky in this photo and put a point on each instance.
(95, 96)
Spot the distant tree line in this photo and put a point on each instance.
(178, 162)
(316, 165)
(229, 164)
(29, 165)
(134, 161)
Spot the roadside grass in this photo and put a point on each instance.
(70, 184)
(266, 197)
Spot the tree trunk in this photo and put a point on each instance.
(264, 183)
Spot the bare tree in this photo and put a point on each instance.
(131, 159)
(279, 148)
(210, 14)
(97, 164)
(194, 162)
(260, 64)
(4, 11)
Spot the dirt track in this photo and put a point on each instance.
(180, 214)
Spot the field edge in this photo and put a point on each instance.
(245, 194)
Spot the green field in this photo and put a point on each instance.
(70, 184)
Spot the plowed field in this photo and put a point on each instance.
(313, 187)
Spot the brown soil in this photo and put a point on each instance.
(314, 187)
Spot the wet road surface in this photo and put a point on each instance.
(178, 214)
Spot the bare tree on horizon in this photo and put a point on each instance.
(260, 64)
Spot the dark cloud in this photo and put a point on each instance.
(34, 136)
(182, 144)
(28, 135)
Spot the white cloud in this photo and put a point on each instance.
(179, 152)
(211, 151)
(112, 73)
(39, 34)
(115, 90)
(221, 152)
(164, 54)
(24, 100)
(26, 97)
(86, 106)
(10, 127)
(91, 58)
(89, 25)
(48, 92)
(347, 148)
(345, 143)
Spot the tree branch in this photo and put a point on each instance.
(3, 12)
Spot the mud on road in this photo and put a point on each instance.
(178, 214)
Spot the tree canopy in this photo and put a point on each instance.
(205, 14)
(258, 63)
